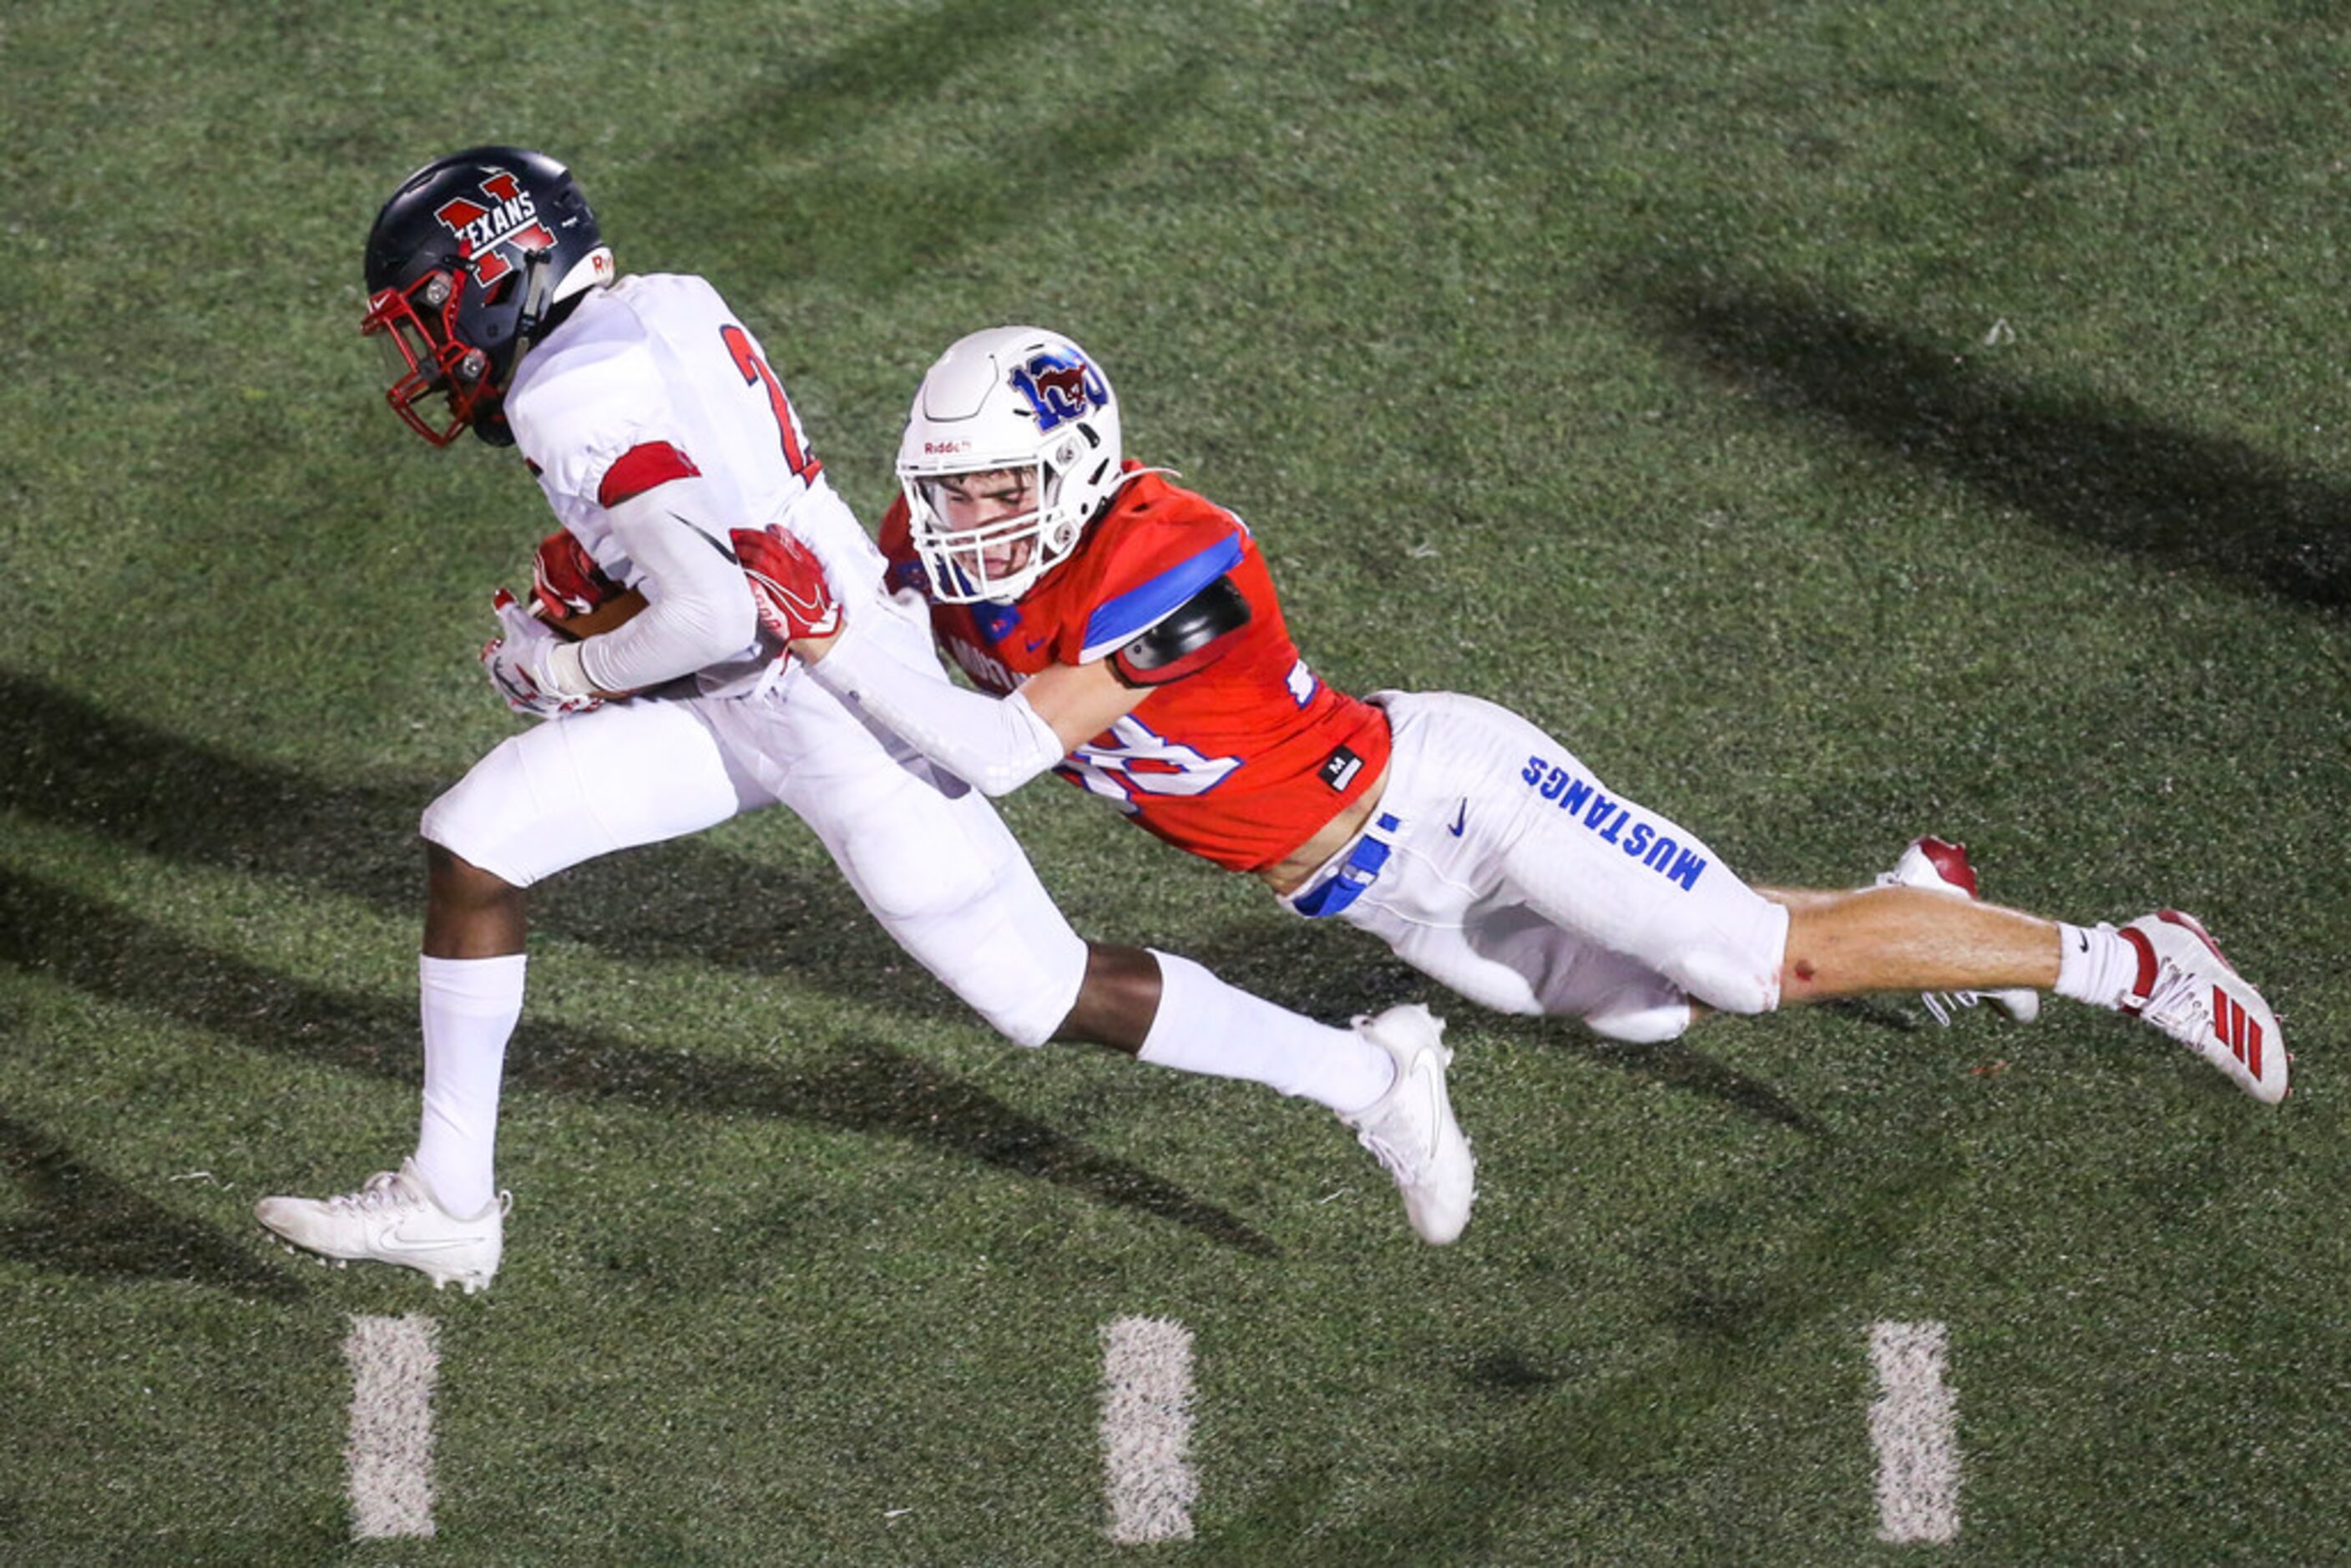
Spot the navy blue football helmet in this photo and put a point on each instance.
(468, 263)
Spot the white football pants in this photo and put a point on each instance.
(929, 856)
(1520, 881)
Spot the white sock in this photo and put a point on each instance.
(2094, 965)
(469, 1008)
(1205, 1026)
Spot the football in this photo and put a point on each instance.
(571, 593)
(607, 614)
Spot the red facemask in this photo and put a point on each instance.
(419, 326)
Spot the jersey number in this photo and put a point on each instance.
(746, 354)
(1146, 762)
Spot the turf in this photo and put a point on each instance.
(1835, 421)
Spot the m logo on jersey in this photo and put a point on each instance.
(1059, 386)
(511, 219)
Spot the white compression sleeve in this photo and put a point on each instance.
(995, 746)
(700, 608)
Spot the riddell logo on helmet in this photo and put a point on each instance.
(941, 446)
(480, 230)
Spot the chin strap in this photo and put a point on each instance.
(537, 287)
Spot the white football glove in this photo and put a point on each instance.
(516, 664)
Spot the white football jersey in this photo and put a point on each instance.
(658, 363)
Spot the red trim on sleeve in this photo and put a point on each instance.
(641, 469)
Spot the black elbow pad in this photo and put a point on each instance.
(1189, 639)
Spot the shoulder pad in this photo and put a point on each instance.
(1187, 638)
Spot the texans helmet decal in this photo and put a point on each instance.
(511, 219)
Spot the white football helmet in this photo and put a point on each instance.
(1009, 398)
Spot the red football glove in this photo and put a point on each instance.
(564, 579)
(787, 584)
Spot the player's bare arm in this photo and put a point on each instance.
(1080, 701)
(996, 745)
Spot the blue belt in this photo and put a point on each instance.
(1361, 868)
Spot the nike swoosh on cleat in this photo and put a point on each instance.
(389, 1239)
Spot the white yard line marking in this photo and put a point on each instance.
(394, 1367)
(1913, 1424)
(1146, 1430)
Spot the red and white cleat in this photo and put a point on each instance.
(1941, 866)
(2187, 989)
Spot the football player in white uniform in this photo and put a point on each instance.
(1477, 846)
(661, 437)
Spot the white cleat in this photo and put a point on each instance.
(394, 1218)
(1410, 1130)
(1941, 866)
(2187, 989)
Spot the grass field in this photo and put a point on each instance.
(1837, 422)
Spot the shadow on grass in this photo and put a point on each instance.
(86, 1222)
(1817, 1246)
(74, 764)
(1321, 967)
(2079, 467)
(820, 205)
(874, 1089)
(1677, 1065)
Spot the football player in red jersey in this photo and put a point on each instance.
(662, 441)
(1133, 632)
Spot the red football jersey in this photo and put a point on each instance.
(1239, 759)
